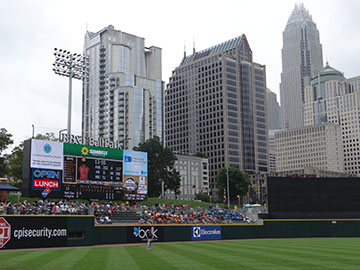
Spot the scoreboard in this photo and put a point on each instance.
(92, 177)
(91, 170)
(73, 171)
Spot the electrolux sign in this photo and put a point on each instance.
(205, 233)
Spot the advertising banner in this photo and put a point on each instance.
(139, 234)
(46, 155)
(205, 233)
(135, 175)
(29, 232)
(46, 180)
(92, 151)
(135, 163)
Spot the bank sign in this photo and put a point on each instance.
(139, 234)
(205, 233)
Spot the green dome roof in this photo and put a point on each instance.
(328, 74)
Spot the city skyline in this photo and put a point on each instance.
(34, 95)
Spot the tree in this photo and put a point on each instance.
(202, 196)
(201, 155)
(48, 136)
(5, 142)
(15, 162)
(239, 182)
(160, 167)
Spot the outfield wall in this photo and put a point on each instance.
(28, 231)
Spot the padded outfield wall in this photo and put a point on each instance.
(17, 231)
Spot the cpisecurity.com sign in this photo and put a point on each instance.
(29, 232)
(206, 233)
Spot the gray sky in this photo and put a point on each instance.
(31, 94)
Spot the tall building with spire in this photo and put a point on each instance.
(216, 104)
(301, 60)
(123, 97)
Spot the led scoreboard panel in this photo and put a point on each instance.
(91, 177)
(87, 170)
(78, 171)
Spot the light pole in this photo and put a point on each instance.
(70, 65)
(227, 182)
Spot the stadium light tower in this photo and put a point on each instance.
(74, 66)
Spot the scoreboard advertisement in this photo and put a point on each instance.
(76, 171)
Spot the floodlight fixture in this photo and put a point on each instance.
(74, 66)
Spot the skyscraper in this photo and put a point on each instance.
(333, 99)
(301, 60)
(215, 104)
(123, 97)
(274, 110)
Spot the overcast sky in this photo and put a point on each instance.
(31, 94)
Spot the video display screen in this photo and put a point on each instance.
(83, 172)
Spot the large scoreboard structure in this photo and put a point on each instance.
(77, 171)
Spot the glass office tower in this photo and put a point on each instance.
(215, 104)
(301, 60)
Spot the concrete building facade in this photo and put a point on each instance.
(331, 98)
(215, 103)
(194, 172)
(123, 97)
(317, 146)
(272, 150)
(274, 111)
(301, 60)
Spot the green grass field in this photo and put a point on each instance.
(326, 253)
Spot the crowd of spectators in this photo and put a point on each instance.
(103, 212)
(182, 214)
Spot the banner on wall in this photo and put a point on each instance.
(205, 233)
(135, 163)
(29, 232)
(47, 155)
(139, 234)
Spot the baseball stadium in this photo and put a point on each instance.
(308, 223)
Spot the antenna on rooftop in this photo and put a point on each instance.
(194, 45)
(184, 48)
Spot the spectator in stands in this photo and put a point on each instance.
(157, 214)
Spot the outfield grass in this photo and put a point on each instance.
(319, 253)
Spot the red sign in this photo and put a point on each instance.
(46, 183)
(5, 232)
